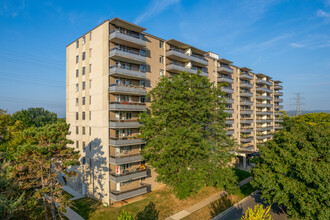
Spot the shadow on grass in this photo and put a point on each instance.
(247, 189)
(241, 175)
(220, 205)
(85, 207)
(149, 213)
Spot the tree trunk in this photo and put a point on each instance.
(44, 199)
(52, 205)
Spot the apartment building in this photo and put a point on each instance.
(109, 71)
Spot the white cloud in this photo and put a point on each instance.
(296, 45)
(12, 7)
(156, 7)
(322, 13)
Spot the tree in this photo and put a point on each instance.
(185, 133)
(37, 117)
(257, 213)
(293, 169)
(38, 162)
(149, 213)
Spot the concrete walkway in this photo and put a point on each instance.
(205, 202)
(75, 194)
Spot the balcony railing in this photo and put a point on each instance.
(278, 87)
(222, 79)
(179, 53)
(246, 120)
(244, 102)
(245, 76)
(124, 124)
(123, 159)
(127, 72)
(268, 128)
(246, 138)
(264, 89)
(229, 121)
(278, 106)
(246, 111)
(127, 55)
(278, 93)
(125, 141)
(178, 68)
(122, 195)
(229, 111)
(225, 69)
(278, 100)
(118, 36)
(263, 97)
(264, 136)
(264, 113)
(227, 89)
(264, 105)
(127, 106)
(127, 89)
(129, 175)
(264, 120)
(266, 82)
(246, 94)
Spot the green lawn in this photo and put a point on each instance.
(241, 174)
(164, 199)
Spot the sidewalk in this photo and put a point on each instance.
(75, 194)
(205, 202)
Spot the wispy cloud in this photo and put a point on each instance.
(297, 45)
(322, 13)
(156, 7)
(12, 8)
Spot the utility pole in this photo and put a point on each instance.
(298, 104)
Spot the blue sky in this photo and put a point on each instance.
(289, 40)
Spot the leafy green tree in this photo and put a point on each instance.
(257, 213)
(185, 133)
(149, 213)
(125, 216)
(38, 162)
(293, 169)
(37, 117)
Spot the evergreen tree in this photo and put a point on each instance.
(37, 117)
(185, 133)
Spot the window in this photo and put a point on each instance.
(77, 44)
(77, 115)
(83, 130)
(83, 86)
(77, 87)
(77, 144)
(90, 99)
(83, 56)
(83, 70)
(83, 100)
(161, 59)
(83, 40)
(90, 52)
(161, 44)
(90, 131)
(77, 59)
(77, 130)
(90, 68)
(83, 116)
(77, 73)
(90, 84)
(125, 149)
(84, 160)
(90, 115)
(161, 72)
(77, 101)
(142, 99)
(90, 35)
(83, 144)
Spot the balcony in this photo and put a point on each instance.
(229, 121)
(129, 90)
(137, 174)
(229, 111)
(127, 72)
(263, 89)
(125, 141)
(264, 105)
(222, 79)
(229, 101)
(225, 69)
(246, 129)
(278, 100)
(264, 120)
(264, 136)
(127, 55)
(278, 119)
(263, 97)
(246, 139)
(278, 113)
(178, 68)
(131, 40)
(246, 120)
(127, 106)
(278, 127)
(183, 57)
(122, 195)
(124, 124)
(246, 103)
(245, 76)
(278, 106)
(264, 113)
(244, 111)
(246, 94)
(278, 87)
(118, 160)
(278, 93)
(245, 85)
(268, 128)
(230, 132)
(261, 81)
(227, 90)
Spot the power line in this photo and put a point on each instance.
(298, 103)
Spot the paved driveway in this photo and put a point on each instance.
(237, 212)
